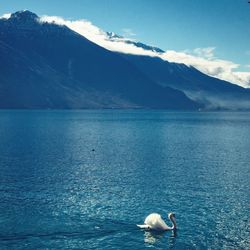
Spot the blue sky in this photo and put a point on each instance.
(179, 25)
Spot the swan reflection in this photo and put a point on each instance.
(152, 237)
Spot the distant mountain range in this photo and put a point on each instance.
(45, 65)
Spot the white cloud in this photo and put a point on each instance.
(205, 52)
(207, 63)
(242, 78)
(128, 32)
(5, 16)
(98, 36)
(201, 58)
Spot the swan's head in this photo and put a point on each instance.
(171, 215)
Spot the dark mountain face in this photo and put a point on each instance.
(49, 66)
(211, 92)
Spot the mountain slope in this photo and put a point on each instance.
(211, 92)
(45, 65)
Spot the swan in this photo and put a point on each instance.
(155, 222)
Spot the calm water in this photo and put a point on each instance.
(83, 179)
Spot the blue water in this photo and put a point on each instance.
(83, 179)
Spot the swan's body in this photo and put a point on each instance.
(155, 222)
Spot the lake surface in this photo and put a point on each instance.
(84, 179)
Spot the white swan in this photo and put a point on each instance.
(155, 222)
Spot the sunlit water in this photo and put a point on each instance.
(83, 179)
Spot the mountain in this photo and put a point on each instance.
(45, 65)
(213, 93)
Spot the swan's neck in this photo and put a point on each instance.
(173, 223)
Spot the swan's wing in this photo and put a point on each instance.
(161, 224)
(144, 226)
(152, 219)
(156, 222)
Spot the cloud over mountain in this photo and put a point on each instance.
(203, 59)
(98, 36)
